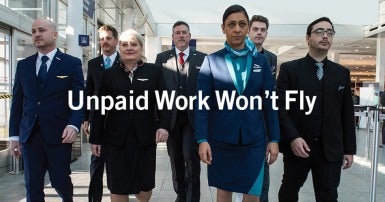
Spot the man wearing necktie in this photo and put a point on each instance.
(180, 69)
(42, 125)
(325, 140)
(108, 40)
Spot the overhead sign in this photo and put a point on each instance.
(89, 8)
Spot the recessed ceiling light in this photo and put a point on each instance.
(356, 50)
(367, 46)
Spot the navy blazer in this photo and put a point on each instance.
(48, 104)
(226, 125)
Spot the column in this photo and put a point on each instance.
(74, 27)
(380, 62)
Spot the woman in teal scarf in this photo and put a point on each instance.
(232, 137)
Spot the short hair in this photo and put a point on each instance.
(131, 32)
(321, 19)
(48, 21)
(259, 18)
(178, 23)
(109, 28)
(234, 9)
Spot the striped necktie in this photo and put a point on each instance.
(320, 70)
(107, 63)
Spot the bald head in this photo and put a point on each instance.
(44, 35)
(46, 22)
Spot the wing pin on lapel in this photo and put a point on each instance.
(62, 77)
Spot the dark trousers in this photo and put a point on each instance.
(326, 175)
(38, 157)
(185, 161)
(265, 185)
(95, 190)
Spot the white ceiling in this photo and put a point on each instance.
(288, 21)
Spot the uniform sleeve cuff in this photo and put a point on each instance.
(201, 140)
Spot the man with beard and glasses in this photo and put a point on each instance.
(324, 140)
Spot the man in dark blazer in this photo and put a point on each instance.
(325, 139)
(44, 122)
(180, 69)
(258, 34)
(108, 40)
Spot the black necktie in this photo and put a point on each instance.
(42, 75)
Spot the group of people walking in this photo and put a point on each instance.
(238, 145)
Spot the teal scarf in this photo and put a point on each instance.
(239, 64)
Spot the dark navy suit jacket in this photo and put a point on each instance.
(227, 124)
(48, 104)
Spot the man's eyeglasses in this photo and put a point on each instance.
(321, 32)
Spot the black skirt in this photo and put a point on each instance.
(130, 167)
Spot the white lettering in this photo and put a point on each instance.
(165, 99)
(70, 100)
(225, 99)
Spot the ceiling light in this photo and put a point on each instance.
(367, 47)
(356, 50)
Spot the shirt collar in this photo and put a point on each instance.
(186, 52)
(112, 57)
(50, 55)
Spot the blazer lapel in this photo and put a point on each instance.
(171, 66)
(55, 64)
(31, 73)
(192, 67)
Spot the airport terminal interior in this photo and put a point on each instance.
(359, 44)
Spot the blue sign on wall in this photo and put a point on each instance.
(84, 40)
(89, 7)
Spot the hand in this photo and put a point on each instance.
(96, 149)
(347, 162)
(86, 127)
(69, 135)
(272, 152)
(300, 148)
(205, 152)
(161, 135)
(15, 148)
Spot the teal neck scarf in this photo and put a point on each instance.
(239, 64)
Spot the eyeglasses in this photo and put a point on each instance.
(321, 32)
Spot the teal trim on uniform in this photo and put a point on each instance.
(201, 140)
(256, 189)
(239, 67)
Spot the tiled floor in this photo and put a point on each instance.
(354, 187)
